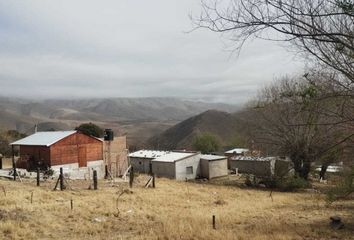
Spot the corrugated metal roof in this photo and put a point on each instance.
(238, 150)
(250, 158)
(174, 156)
(147, 154)
(211, 157)
(43, 138)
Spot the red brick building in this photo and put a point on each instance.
(58, 148)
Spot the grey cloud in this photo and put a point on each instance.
(126, 49)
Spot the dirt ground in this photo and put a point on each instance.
(173, 210)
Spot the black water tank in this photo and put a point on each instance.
(108, 135)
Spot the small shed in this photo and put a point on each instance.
(261, 166)
(70, 149)
(141, 160)
(177, 165)
(233, 153)
(212, 166)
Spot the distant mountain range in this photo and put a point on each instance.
(223, 125)
(122, 114)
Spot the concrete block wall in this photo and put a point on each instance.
(262, 168)
(258, 168)
(181, 168)
(215, 168)
(204, 168)
(73, 171)
(164, 169)
(115, 154)
(141, 165)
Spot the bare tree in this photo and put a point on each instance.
(286, 120)
(322, 29)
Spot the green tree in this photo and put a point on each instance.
(90, 129)
(8, 137)
(206, 143)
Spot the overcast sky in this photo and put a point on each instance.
(127, 48)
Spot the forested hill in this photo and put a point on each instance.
(222, 125)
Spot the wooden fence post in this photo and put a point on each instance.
(71, 204)
(13, 162)
(105, 171)
(214, 227)
(131, 177)
(38, 176)
(0, 161)
(94, 179)
(150, 168)
(61, 179)
(153, 180)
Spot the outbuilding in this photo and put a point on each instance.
(233, 153)
(261, 166)
(55, 149)
(179, 165)
(212, 166)
(141, 160)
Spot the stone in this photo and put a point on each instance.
(336, 222)
(99, 219)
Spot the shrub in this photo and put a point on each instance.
(251, 180)
(49, 172)
(292, 183)
(343, 189)
(287, 184)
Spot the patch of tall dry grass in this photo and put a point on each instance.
(174, 210)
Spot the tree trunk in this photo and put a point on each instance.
(302, 167)
(323, 171)
(297, 165)
(305, 170)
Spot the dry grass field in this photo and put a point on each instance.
(173, 210)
